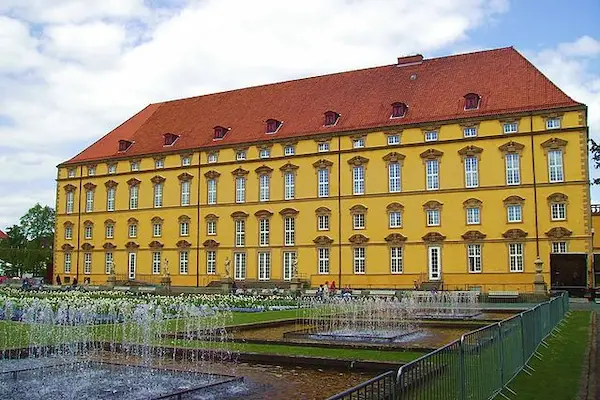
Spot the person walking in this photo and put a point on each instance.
(58, 281)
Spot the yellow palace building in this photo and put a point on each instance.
(459, 170)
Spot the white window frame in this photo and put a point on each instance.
(109, 260)
(288, 261)
(393, 140)
(88, 231)
(71, 173)
(87, 263)
(89, 201)
(212, 158)
(156, 262)
(159, 163)
(91, 171)
(559, 247)
(264, 265)
(359, 221)
(67, 264)
(555, 166)
(289, 150)
(211, 262)
(513, 168)
(471, 172)
(510, 127)
(395, 219)
(473, 215)
(112, 169)
(158, 195)
(474, 258)
(240, 233)
(289, 226)
(358, 180)
(264, 187)
(432, 174)
(289, 179)
(358, 143)
(239, 266)
(186, 189)
(186, 161)
(211, 227)
(396, 259)
(264, 226)
(470, 131)
(134, 166)
(558, 211)
(323, 222)
(109, 231)
(70, 202)
(240, 189)
(265, 152)
(433, 217)
(184, 228)
(240, 155)
(516, 254)
(134, 196)
(431, 136)
(323, 147)
(512, 215)
(359, 260)
(553, 123)
(211, 191)
(68, 232)
(132, 231)
(184, 262)
(131, 265)
(323, 254)
(111, 193)
(394, 177)
(157, 230)
(323, 182)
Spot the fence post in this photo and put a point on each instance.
(462, 375)
(501, 336)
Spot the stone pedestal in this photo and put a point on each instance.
(539, 286)
(295, 286)
(111, 281)
(226, 285)
(165, 282)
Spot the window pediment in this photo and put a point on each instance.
(358, 209)
(472, 203)
(322, 240)
(213, 217)
(263, 214)
(133, 182)
(155, 245)
(323, 211)
(157, 220)
(185, 177)
(395, 206)
(157, 179)
(109, 222)
(109, 246)
(358, 239)
(393, 157)
(470, 151)
(357, 161)
(263, 170)
(183, 244)
(239, 172)
(67, 247)
(432, 205)
(431, 154)
(111, 184)
(132, 246)
(68, 223)
(89, 186)
(559, 233)
(69, 188)
(514, 234)
(511, 147)
(433, 237)
(87, 247)
(395, 238)
(322, 164)
(557, 198)
(473, 236)
(210, 244)
(510, 200)
(184, 218)
(289, 212)
(289, 167)
(212, 174)
(554, 144)
(132, 221)
(239, 215)
(88, 223)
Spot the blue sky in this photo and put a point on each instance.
(71, 70)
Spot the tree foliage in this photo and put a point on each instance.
(38, 222)
(595, 151)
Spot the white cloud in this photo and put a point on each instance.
(79, 68)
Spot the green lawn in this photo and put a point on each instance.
(558, 374)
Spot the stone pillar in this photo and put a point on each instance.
(295, 286)
(111, 281)
(539, 285)
(165, 282)
(226, 285)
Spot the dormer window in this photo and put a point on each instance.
(240, 155)
(398, 110)
(170, 138)
(124, 145)
(331, 118)
(472, 101)
(272, 125)
(220, 132)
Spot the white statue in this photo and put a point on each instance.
(295, 268)
(166, 268)
(111, 270)
(227, 270)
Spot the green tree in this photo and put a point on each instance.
(38, 223)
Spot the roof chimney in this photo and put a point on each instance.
(410, 60)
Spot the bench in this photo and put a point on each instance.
(122, 288)
(382, 292)
(503, 294)
(147, 289)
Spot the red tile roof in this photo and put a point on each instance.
(3, 235)
(434, 90)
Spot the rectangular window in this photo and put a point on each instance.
(67, 263)
(323, 182)
(558, 211)
(110, 199)
(394, 185)
(184, 258)
(323, 222)
(186, 161)
(514, 213)
(471, 172)
(474, 255)
(212, 191)
(264, 153)
(158, 195)
(555, 166)
(471, 131)
(510, 127)
(87, 231)
(433, 217)
(70, 202)
(89, 201)
(211, 227)
(68, 232)
(184, 228)
(396, 260)
(393, 140)
(239, 266)
(559, 247)
(156, 230)
(211, 262)
(212, 158)
(264, 183)
(91, 171)
(112, 168)
(110, 231)
(290, 231)
(240, 233)
(240, 189)
(358, 221)
(288, 262)
(289, 150)
(290, 185)
(395, 219)
(264, 266)
(87, 263)
(71, 173)
(358, 143)
(513, 169)
(156, 262)
(185, 193)
(159, 163)
(515, 252)
(135, 166)
(240, 155)
(473, 216)
(553, 123)
(323, 147)
(133, 197)
(432, 172)
(108, 262)
(132, 230)
(358, 174)
(323, 260)
(359, 260)
(131, 265)
(431, 136)
(263, 233)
